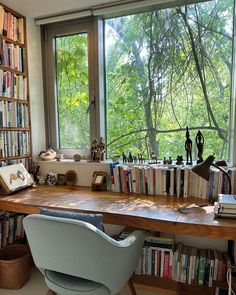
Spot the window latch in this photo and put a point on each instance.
(91, 104)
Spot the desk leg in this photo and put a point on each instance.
(131, 286)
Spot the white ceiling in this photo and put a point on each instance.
(41, 8)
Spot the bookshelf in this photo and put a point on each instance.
(15, 127)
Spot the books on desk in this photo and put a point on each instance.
(226, 206)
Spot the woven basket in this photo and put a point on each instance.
(14, 266)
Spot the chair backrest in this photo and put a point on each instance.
(77, 248)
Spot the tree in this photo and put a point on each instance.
(166, 70)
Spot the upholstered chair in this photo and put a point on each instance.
(77, 258)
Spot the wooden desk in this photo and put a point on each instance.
(158, 213)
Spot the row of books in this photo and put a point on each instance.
(14, 114)
(13, 86)
(12, 56)
(11, 26)
(181, 263)
(14, 143)
(27, 162)
(11, 228)
(162, 180)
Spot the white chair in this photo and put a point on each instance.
(77, 258)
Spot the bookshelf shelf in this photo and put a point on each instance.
(13, 71)
(14, 99)
(8, 40)
(15, 122)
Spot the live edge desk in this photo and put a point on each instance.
(159, 213)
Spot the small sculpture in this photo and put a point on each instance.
(124, 157)
(77, 157)
(97, 150)
(51, 178)
(94, 150)
(188, 148)
(199, 143)
(179, 160)
(50, 154)
(169, 161)
(130, 158)
(101, 149)
(153, 157)
(164, 161)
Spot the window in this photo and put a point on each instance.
(70, 85)
(164, 70)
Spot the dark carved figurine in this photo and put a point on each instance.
(188, 148)
(179, 160)
(124, 157)
(199, 143)
(130, 158)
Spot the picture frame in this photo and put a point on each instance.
(14, 177)
(61, 179)
(99, 182)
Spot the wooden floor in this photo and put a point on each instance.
(36, 286)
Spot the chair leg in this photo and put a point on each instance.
(131, 286)
(50, 292)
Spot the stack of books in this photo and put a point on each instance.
(226, 206)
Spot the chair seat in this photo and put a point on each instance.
(69, 285)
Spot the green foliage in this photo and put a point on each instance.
(72, 90)
(160, 80)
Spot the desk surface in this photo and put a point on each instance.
(141, 211)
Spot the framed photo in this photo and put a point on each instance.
(14, 177)
(99, 181)
(61, 179)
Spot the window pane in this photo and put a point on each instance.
(166, 70)
(72, 90)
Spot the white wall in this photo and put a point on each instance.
(36, 87)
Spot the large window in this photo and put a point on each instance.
(166, 70)
(158, 71)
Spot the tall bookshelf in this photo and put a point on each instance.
(15, 126)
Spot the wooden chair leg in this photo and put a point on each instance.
(131, 286)
(50, 292)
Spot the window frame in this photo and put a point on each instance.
(98, 114)
(49, 32)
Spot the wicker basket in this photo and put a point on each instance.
(14, 266)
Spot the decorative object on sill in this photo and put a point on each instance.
(41, 179)
(130, 158)
(97, 150)
(49, 155)
(153, 158)
(169, 161)
(115, 158)
(179, 160)
(59, 157)
(51, 178)
(164, 161)
(140, 159)
(61, 179)
(124, 157)
(77, 158)
(199, 143)
(188, 148)
(70, 177)
(99, 182)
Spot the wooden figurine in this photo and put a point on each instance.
(188, 148)
(199, 143)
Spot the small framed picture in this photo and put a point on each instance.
(61, 179)
(99, 180)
